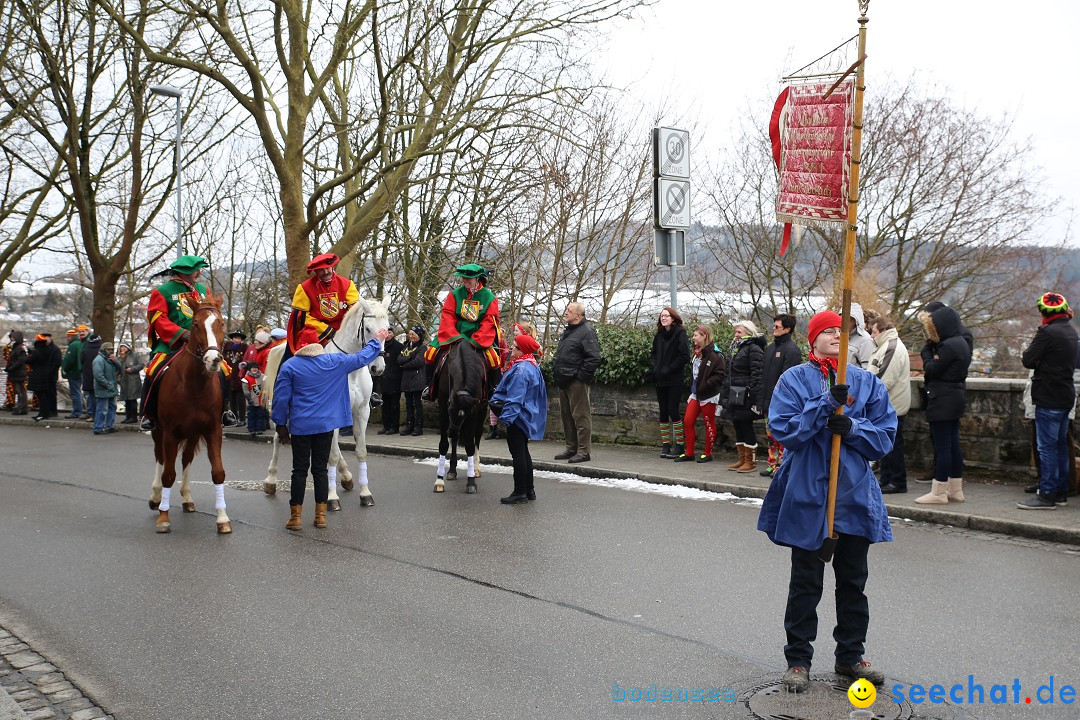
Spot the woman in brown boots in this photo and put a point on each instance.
(746, 358)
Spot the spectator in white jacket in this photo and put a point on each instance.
(891, 363)
(860, 345)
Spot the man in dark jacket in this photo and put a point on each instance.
(91, 349)
(782, 353)
(71, 369)
(576, 358)
(1052, 355)
(45, 360)
(17, 371)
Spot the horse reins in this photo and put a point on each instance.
(361, 335)
(208, 348)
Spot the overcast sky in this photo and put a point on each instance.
(709, 59)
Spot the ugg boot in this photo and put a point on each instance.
(294, 518)
(750, 465)
(742, 457)
(938, 494)
(955, 490)
(320, 515)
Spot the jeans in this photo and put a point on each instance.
(310, 451)
(91, 405)
(75, 386)
(1052, 441)
(852, 607)
(893, 467)
(104, 414)
(948, 457)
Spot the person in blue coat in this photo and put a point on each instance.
(793, 513)
(520, 402)
(311, 400)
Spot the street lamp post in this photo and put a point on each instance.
(174, 93)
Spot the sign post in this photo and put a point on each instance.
(671, 200)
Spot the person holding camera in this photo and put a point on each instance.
(741, 390)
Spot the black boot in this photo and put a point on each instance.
(493, 432)
(665, 452)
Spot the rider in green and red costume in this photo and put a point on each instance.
(168, 317)
(470, 313)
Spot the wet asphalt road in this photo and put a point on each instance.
(454, 606)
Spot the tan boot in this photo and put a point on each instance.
(294, 517)
(320, 515)
(742, 458)
(750, 465)
(938, 495)
(955, 489)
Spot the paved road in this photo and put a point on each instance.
(454, 606)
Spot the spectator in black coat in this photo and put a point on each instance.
(670, 356)
(1052, 357)
(945, 357)
(91, 349)
(391, 387)
(782, 353)
(45, 360)
(413, 380)
(741, 388)
(576, 358)
(17, 371)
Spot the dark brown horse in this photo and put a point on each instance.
(462, 412)
(189, 413)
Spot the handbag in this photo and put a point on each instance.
(737, 396)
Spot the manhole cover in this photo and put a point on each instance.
(825, 699)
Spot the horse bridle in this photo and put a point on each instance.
(361, 333)
(208, 348)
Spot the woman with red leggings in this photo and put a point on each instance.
(707, 377)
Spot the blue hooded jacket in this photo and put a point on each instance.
(311, 393)
(523, 393)
(793, 513)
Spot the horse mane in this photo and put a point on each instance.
(472, 367)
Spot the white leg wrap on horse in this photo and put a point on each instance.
(442, 466)
(331, 477)
(471, 467)
(165, 493)
(361, 472)
(219, 497)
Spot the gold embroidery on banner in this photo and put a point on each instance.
(470, 310)
(328, 304)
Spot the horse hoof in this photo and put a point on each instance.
(154, 504)
(347, 485)
(440, 488)
(189, 507)
(162, 527)
(470, 489)
(224, 528)
(270, 488)
(366, 501)
(451, 475)
(334, 505)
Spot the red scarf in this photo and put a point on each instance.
(829, 366)
(524, 356)
(1055, 316)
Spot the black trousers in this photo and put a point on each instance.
(414, 410)
(310, 451)
(391, 411)
(668, 399)
(518, 444)
(744, 432)
(47, 400)
(852, 608)
(238, 404)
(893, 467)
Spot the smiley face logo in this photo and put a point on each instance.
(862, 693)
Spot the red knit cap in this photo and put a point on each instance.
(823, 320)
(526, 344)
(307, 336)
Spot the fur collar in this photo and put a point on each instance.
(310, 350)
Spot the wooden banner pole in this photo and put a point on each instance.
(829, 547)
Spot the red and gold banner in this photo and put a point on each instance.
(811, 138)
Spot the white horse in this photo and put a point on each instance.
(357, 328)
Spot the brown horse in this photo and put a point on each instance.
(189, 412)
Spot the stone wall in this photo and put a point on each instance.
(994, 434)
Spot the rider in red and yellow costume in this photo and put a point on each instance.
(321, 301)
